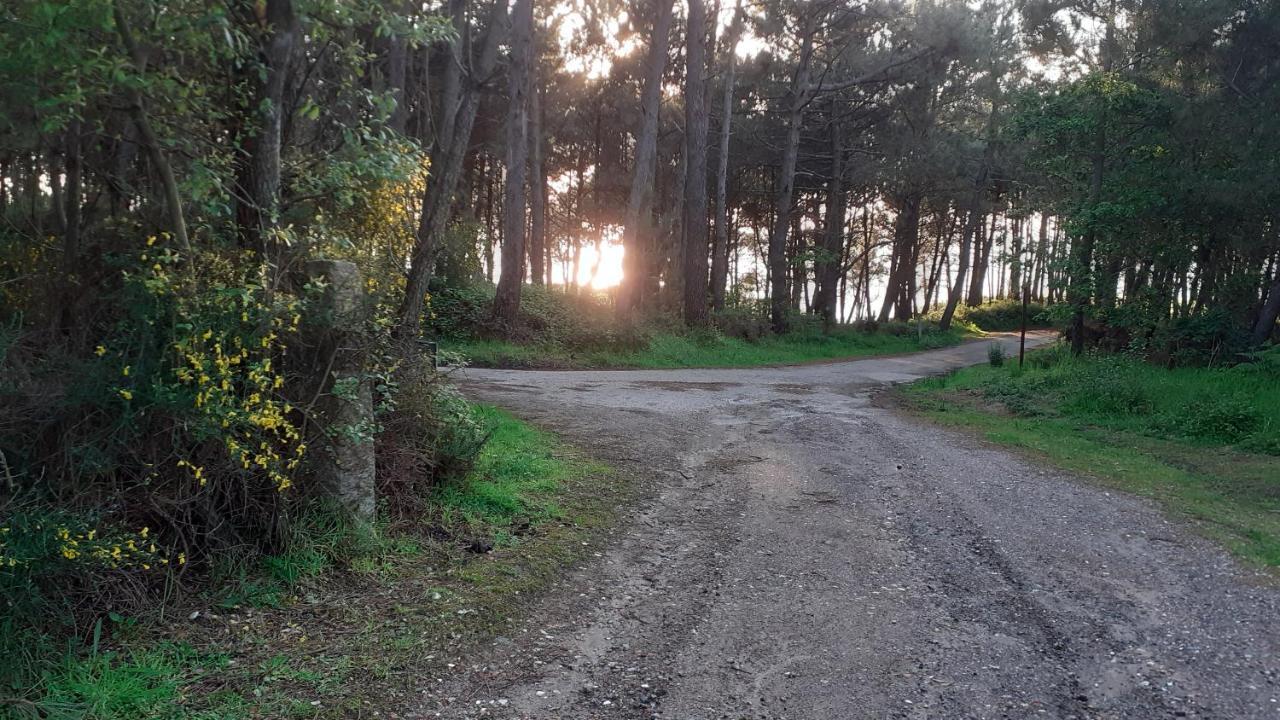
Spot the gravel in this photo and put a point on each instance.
(804, 553)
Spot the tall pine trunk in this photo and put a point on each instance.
(638, 237)
(720, 251)
(694, 250)
(797, 99)
(537, 190)
(506, 303)
(831, 260)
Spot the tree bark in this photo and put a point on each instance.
(537, 189)
(447, 156)
(798, 97)
(138, 112)
(830, 261)
(1266, 323)
(720, 252)
(258, 215)
(1080, 291)
(638, 231)
(694, 250)
(506, 304)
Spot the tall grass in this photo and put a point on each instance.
(1204, 442)
(1237, 406)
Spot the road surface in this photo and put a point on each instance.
(805, 554)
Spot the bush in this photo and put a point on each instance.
(548, 316)
(430, 437)
(995, 354)
(1107, 386)
(997, 315)
(1217, 419)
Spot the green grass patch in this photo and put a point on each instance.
(515, 475)
(693, 350)
(1203, 442)
(340, 625)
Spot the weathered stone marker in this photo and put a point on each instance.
(345, 467)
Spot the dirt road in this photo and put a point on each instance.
(806, 554)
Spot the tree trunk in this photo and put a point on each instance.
(1080, 290)
(259, 216)
(448, 153)
(1266, 322)
(798, 98)
(638, 231)
(906, 231)
(537, 190)
(506, 303)
(695, 143)
(972, 225)
(830, 260)
(981, 261)
(138, 112)
(720, 253)
(1015, 260)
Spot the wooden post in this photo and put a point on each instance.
(1022, 340)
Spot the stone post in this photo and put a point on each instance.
(345, 466)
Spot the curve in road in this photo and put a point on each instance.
(807, 554)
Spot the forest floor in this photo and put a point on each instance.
(804, 550)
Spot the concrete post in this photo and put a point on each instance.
(345, 468)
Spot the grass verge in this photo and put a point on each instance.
(671, 350)
(1204, 443)
(351, 623)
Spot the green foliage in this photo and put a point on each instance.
(1213, 407)
(512, 476)
(585, 332)
(1201, 441)
(1228, 420)
(431, 437)
(998, 315)
(995, 354)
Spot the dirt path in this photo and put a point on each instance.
(805, 554)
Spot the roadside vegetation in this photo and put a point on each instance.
(348, 620)
(227, 230)
(1204, 442)
(559, 330)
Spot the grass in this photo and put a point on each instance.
(672, 350)
(1204, 443)
(562, 330)
(344, 623)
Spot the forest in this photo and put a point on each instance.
(600, 183)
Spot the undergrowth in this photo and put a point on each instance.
(560, 330)
(525, 506)
(1203, 441)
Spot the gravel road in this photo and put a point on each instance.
(804, 553)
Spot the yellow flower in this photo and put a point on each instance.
(125, 371)
(144, 532)
(182, 558)
(126, 394)
(100, 351)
